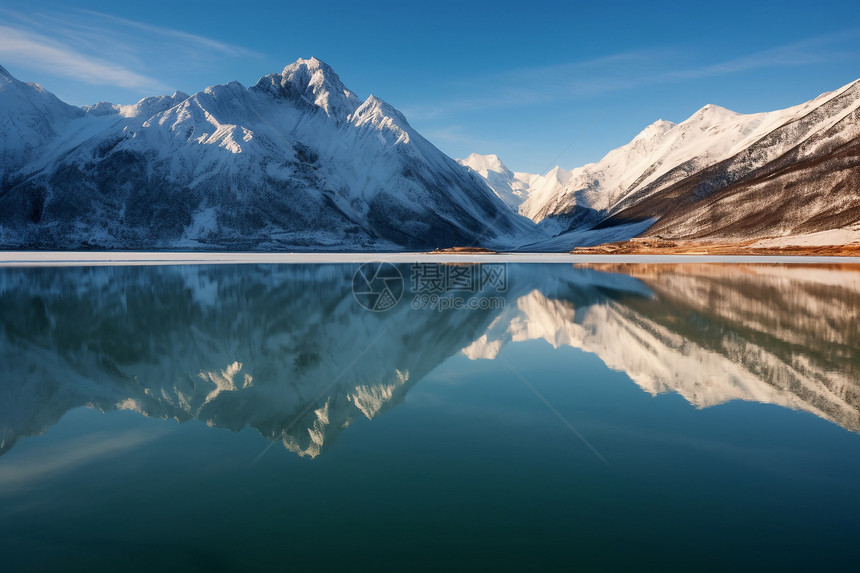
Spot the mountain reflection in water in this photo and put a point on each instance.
(288, 350)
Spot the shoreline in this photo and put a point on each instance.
(123, 258)
(752, 247)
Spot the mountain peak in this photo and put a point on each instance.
(656, 129)
(484, 163)
(711, 108)
(311, 63)
(373, 102)
(318, 84)
(711, 114)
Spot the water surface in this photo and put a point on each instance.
(496, 416)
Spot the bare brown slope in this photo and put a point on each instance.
(651, 246)
(814, 186)
(814, 195)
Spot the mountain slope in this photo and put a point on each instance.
(295, 161)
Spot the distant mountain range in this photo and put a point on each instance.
(719, 175)
(299, 162)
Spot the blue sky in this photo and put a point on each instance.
(538, 83)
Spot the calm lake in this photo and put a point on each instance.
(409, 417)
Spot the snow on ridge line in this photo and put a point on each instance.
(710, 135)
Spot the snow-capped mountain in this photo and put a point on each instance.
(297, 160)
(515, 188)
(512, 188)
(718, 174)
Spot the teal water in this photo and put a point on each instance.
(251, 418)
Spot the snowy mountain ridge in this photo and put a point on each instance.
(295, 161)
(712, 150)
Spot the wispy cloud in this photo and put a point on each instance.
(191, 41)
(42, 53)
(100, 49)
(811, 51)
(624, 72)
(546, 84)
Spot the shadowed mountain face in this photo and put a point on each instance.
(288, 350)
